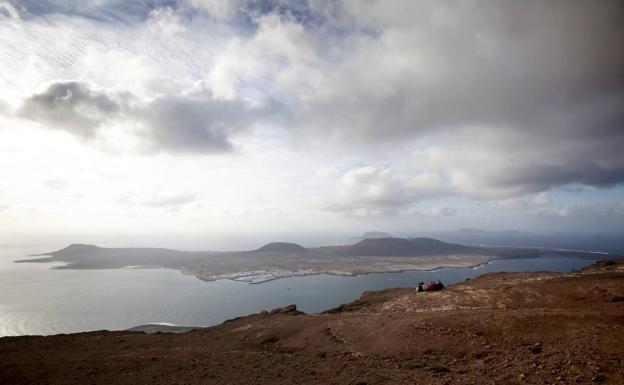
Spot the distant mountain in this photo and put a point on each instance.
(592, 241)
(281, 247)
(375, 235)
(86, 256)
(400, 247)
(76, 248)
(82, 249)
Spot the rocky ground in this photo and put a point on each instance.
(502, 328)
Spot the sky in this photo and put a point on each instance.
(224, 123)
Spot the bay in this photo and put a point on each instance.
(35, 299)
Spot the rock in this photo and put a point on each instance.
(616, 298)
(598, 378)
(369, 379)
(479, 354)
(270, 340)
(536, 348)
(439, 369)
(286, 309)
(415, 364)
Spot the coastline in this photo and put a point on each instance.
(256, 277)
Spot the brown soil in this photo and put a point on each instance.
(503, 328)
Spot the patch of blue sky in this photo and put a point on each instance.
(577, 194)
(111, 10)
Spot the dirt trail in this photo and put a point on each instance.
(502, 328)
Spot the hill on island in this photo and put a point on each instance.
(76, 248)
(401, 247)
(281, 247)
(85, 256)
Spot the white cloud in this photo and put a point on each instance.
(167, 201)
(280, 56)
(441, 211)
(56, 183)
(8, 10)
(433, 212)
(165, 21)
(541, 199)
(218, 9)
(375, 190)
(534, 202)
(398, 105)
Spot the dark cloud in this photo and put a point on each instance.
(520, 96)
(543, 82)
(186, 125)
(201, 123)
(71, 106)
(496, 63)
(574, 147)
(183, 124)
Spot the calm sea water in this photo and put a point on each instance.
(35, 299)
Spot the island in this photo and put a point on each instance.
(283, 259)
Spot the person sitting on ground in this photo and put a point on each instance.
(431, 286)
(420, 287)
(439, 285)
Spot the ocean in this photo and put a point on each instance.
(35, 299)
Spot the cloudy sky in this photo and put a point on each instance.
(202, 123)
